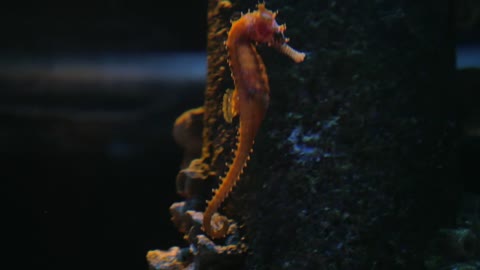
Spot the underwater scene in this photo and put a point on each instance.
(241, 134)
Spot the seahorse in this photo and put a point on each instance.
(250, 99)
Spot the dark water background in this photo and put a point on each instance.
(88, 97)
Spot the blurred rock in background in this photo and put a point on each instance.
(88, 97)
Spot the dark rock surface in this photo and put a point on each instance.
(358, 162)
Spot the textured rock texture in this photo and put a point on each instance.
(355, 164)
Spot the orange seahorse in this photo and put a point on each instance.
(250, 98)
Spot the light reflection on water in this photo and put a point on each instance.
(468, 56)
(162, 67)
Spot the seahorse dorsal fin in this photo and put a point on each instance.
(229, 106)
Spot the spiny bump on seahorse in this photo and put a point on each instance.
(250, 98)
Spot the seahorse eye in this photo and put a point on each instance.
(263, 30)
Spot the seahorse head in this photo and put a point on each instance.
(265, 27)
